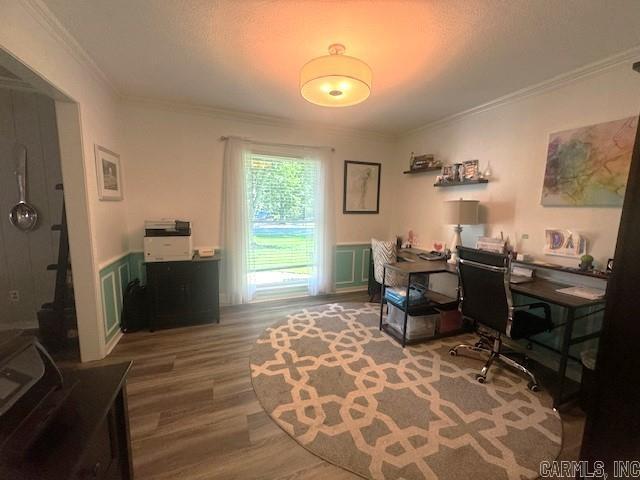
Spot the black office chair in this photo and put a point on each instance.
(485, 299)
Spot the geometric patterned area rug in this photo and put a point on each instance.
(352, 396)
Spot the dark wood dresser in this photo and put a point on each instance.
(88, 438)
(183, 293)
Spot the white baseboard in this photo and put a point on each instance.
(114, 341)
(361, 288)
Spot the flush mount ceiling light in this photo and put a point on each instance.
(335, 80)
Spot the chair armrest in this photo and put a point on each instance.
(531, 306)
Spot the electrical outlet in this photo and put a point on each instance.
(14, 296)
(525, 236)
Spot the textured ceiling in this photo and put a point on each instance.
(430, 58)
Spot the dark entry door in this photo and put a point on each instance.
(612, 431)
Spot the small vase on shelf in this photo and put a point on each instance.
(487, 172)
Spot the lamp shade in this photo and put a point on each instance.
(335, 80)
(461, 212)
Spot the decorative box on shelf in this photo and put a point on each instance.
(423, 163)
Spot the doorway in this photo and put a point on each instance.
(63, 113)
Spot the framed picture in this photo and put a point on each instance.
(471, 169)
(361, 187)
(448, 173)
(108, 174)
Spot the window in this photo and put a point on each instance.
(281, 201)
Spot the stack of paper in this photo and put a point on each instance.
(490, 244)
(583, 292)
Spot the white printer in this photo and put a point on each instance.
(167, 240)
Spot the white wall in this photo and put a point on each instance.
(174, 168)
(97, 229)
(513, 138)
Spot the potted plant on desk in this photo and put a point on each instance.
(586, 263)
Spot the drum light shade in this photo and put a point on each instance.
(461, 212)
(335, 80)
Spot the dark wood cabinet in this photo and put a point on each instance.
(183, 293)
(89, 436)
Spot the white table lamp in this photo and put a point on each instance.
(458, 213)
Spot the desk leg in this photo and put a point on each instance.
(406, 313)
(564, 356)
(382, 288)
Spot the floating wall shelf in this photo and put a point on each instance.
(422, 170)
(457, 184)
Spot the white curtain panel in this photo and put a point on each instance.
(321, 280)
(235, 222)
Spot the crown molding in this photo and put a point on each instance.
(48, 20)
(580, 73)
(40, 12)
(254, 118)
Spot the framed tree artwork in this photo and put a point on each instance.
(361, 187)
(108, 174)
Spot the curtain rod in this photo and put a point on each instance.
(226, 137)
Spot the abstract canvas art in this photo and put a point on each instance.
(589, 166)
(361, 187)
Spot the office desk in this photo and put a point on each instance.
(545, 290)
(404, 256)
(540, 289)
(435, 303)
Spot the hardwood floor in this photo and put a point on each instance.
(194, 414)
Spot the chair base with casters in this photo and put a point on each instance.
(524, 324)
(486, 300)
(494, 354)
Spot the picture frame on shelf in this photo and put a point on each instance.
(471, 170)
(459, 172)
(448, 174)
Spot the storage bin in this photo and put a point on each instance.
(398, 295)
(450, 320)
(417, 327)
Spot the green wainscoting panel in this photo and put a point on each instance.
(351, 272)
(113, 280)
(113, 283)
(352, 266)
(110, 307)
